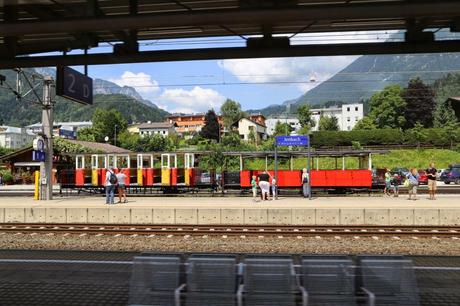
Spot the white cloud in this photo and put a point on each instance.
(297, 70)
(198, 99)
(142, 82)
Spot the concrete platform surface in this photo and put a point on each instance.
(361, 210)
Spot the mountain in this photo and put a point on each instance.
(371, 73)
(104, 87)
(24, 112)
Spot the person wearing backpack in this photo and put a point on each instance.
(110, 185)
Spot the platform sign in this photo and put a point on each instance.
(67, 134)
(74, 85)
(38, 156)
(287, 141)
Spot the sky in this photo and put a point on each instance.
(197, 86)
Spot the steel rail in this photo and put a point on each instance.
(229, 230)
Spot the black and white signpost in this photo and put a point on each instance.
(287, 141)
(73, 85)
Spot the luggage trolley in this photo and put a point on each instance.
(98, 169)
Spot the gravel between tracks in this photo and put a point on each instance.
(368, 245)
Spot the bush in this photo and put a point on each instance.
(7, 176)
(434, 137)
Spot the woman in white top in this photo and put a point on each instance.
(305, 185)
(121, 177)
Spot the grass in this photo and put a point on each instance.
(396, 158)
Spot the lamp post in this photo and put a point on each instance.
(115, 135)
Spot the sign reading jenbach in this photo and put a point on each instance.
(292, 140)
(74, 85)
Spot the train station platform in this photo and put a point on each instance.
(358, 210)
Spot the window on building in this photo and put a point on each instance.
(164, 132)
(348, 109)
(356, 108)
(348, 119)
(356, 119)
(349, 128)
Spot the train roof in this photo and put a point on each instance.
(263, 154)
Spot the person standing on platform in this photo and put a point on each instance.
(431, 173)
(413, 178)
(121, 178)
(387, 189)
(274, 189)
(264, 184)
(254, 188)
(305, 186)
(395, 181)
(110, 184)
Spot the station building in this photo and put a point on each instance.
(347, 115)
(157, 128)
(15, 137)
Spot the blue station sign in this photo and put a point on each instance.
(299, 140)
(38, 156)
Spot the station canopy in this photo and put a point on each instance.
(267, 28)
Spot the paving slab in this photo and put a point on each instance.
(56, 215)
(14, 215)
(232, 216)
(255, 216)
(209, 216)
(377, 216)
(352, 216)
(164, 216)
(280, 216)
(98, 215)
(142, 216)
(119, 215)
(77, 215)
(36, 215)
(303, 216)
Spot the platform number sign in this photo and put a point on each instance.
(74, 85)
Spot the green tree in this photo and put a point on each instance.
(282, 128)
(327, 123)
(211, 128)
(365, 124)
(231, 112)
(305, 117)
(417, 134)
(444, 114)
(86, 134)
(420, 104)
(105, 122)
(387, 108)
(450, 132)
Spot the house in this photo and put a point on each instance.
(246, 127)
(162, 128)
(14, 137)
(190, 123)
(347, 115)
(273, 121)
(455, 103)
(62, 129)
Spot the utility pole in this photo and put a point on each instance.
(46, 167)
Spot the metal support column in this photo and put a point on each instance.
(46, 168)
(308, 169)
(276, 168)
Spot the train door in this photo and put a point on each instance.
(168, 169)
(123, 162)
(189, 162)
(98, 169)
(145, 172)
(80, 170)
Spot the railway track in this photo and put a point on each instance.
(232, 231)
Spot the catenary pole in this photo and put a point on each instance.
(46, 168)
